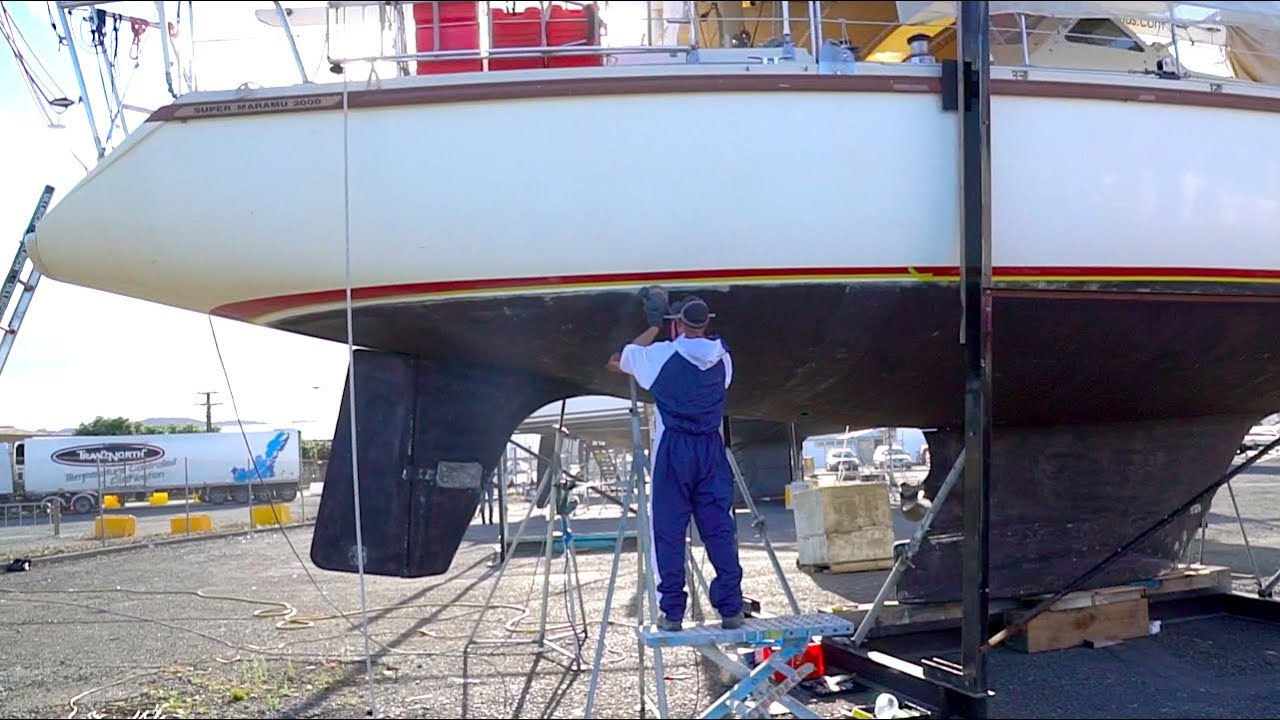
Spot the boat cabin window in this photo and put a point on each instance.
(19, 453)
(1103, 33)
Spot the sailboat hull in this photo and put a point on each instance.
(498, 230)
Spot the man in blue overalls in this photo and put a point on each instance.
(688, 378)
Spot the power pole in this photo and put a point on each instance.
(208, 408)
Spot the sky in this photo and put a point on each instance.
(83, 353)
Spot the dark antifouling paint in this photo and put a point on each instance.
(428, 436)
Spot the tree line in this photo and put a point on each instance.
(311, 449)
(124, 426)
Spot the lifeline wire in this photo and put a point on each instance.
(351, 383)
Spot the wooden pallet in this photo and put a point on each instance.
(900, 618)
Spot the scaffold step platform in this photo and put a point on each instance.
(756, 688)
(754, 631)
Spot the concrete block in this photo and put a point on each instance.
(845, 507)
(270, 515)
(873, 543)
(115, 526)
(159, 498)
(199, 523)
(847, 524)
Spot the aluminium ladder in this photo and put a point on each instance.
(9, 329)
(606, 462)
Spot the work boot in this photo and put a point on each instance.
(733, 622)
(666, 623)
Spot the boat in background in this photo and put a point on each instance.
(508, 197)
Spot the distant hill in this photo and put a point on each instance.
(193, 421)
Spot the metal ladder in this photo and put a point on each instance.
(14, 279)
(605, 461)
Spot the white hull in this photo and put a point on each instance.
(216, 211)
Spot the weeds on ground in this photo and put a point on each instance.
(253, 687)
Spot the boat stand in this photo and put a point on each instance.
(553, 496)
(945, 688)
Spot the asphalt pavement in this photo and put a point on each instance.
(32, 535)
(194, 630)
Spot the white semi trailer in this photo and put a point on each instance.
(216, 468)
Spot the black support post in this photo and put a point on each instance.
(975, 287)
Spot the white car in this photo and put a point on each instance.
(1259, 436)
(842, 459)
(884, 456)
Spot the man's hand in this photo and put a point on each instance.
(615, 363)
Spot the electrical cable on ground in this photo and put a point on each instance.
(72, 702)
(291, 621)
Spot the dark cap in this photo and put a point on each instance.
(691, 311)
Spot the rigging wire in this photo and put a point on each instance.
(35, 58)
(43, 96)
(351, 381)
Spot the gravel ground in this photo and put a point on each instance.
(125, 635)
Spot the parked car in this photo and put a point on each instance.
(1259, 436)
(885, 456)
(839, 459)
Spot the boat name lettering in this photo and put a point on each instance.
(255, 106)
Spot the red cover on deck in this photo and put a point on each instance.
(459, 26)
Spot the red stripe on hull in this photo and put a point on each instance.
(250, 309)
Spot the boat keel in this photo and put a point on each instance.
(1065, 497)
(429, 437)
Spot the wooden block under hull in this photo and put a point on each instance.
(855, 566)
(1114, 615)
